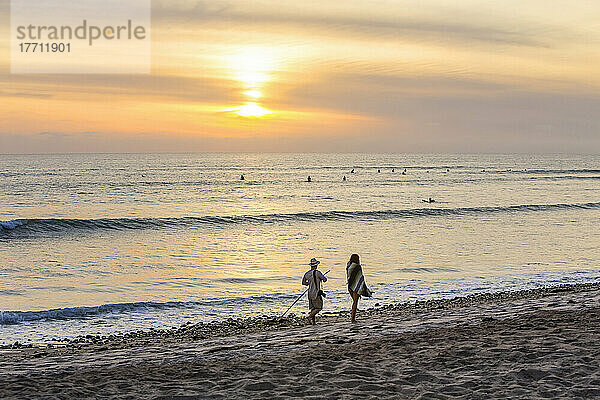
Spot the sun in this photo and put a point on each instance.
(251, 110)
(253, 67)
(254, 94)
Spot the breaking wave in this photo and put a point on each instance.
(41, 227)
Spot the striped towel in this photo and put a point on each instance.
(356, 280)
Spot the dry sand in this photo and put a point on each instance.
(543, 344)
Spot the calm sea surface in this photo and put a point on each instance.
(104, 243)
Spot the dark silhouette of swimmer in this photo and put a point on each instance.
(393, 170)
(309, 180)
(352, 171)
(344, 179)
(430, 200)
(378, 171)
(242, 178)
(404, 172)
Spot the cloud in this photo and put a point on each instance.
(424, 77)
(386, 95)
(97, 87)
(55, 134)
(26, 95)
(395, 25)
(63, 134)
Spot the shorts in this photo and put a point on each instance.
(315, 304)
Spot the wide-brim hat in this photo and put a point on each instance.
(314, 262)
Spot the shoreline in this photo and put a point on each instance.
(531, 344)
(190, 332)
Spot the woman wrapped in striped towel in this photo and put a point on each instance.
(356, 283)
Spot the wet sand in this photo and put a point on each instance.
(530, 344)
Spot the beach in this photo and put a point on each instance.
(528, 344)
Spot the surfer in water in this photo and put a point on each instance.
(430, 200)
(242, 178)
(309, 179)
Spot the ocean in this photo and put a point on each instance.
(108, 243)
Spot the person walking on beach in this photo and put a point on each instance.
(356, 283)
(313, 279)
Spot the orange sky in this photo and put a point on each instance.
(426, 76)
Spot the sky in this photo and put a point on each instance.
(340, 76)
